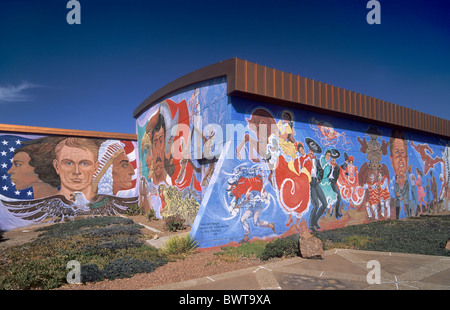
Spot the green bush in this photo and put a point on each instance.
(151, 214)
(78, 226)
(117, 269)
(283, 247)
(109, 231)
(134, 209)
(174, 223)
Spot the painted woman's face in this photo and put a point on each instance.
(22, 174)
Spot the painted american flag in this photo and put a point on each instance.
(8, 145)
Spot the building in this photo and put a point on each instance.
(242, 151)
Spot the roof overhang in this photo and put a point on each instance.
(257, 82)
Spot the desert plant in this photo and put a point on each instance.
(174, 223)
(151, 214)
(134, 209)
(180, 245)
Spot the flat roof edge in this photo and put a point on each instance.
(66, 132)
(267, 84)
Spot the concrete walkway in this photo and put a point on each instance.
(160, 242)
(340, 270)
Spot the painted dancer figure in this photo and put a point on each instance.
(318, 198)
(372, 203)
(445, 193)
(334, 177)
(325, 183)
(292, 186)
(433, 187)
(385, 196)
(352, 192)
(249, 195)
(420, 192)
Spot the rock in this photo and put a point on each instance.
(447, 245)
(310, 246)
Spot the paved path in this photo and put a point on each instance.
(340, 270)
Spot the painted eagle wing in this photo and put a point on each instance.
(110, 205)
(49, 209)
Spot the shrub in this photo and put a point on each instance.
(180, 245)
(134, 209)
(283, 247)
(174, 223)
(109, 231)
(151, 214)
(118, 269)
(91, 273)
(78, 226)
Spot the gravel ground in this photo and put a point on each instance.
(197, 265)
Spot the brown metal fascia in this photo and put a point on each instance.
(257, 82)
(66, 132)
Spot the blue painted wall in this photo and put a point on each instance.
(259, 185)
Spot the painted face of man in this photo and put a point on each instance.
(399, 157)
(158, 154)
(76, 167)
(122, 172)
(22, 174)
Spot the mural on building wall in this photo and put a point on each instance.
(53, 178)
(317, 172)
(173, 137)
(238, 170)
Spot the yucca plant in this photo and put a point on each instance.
(180, 246)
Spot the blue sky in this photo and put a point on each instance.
(93, 75)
